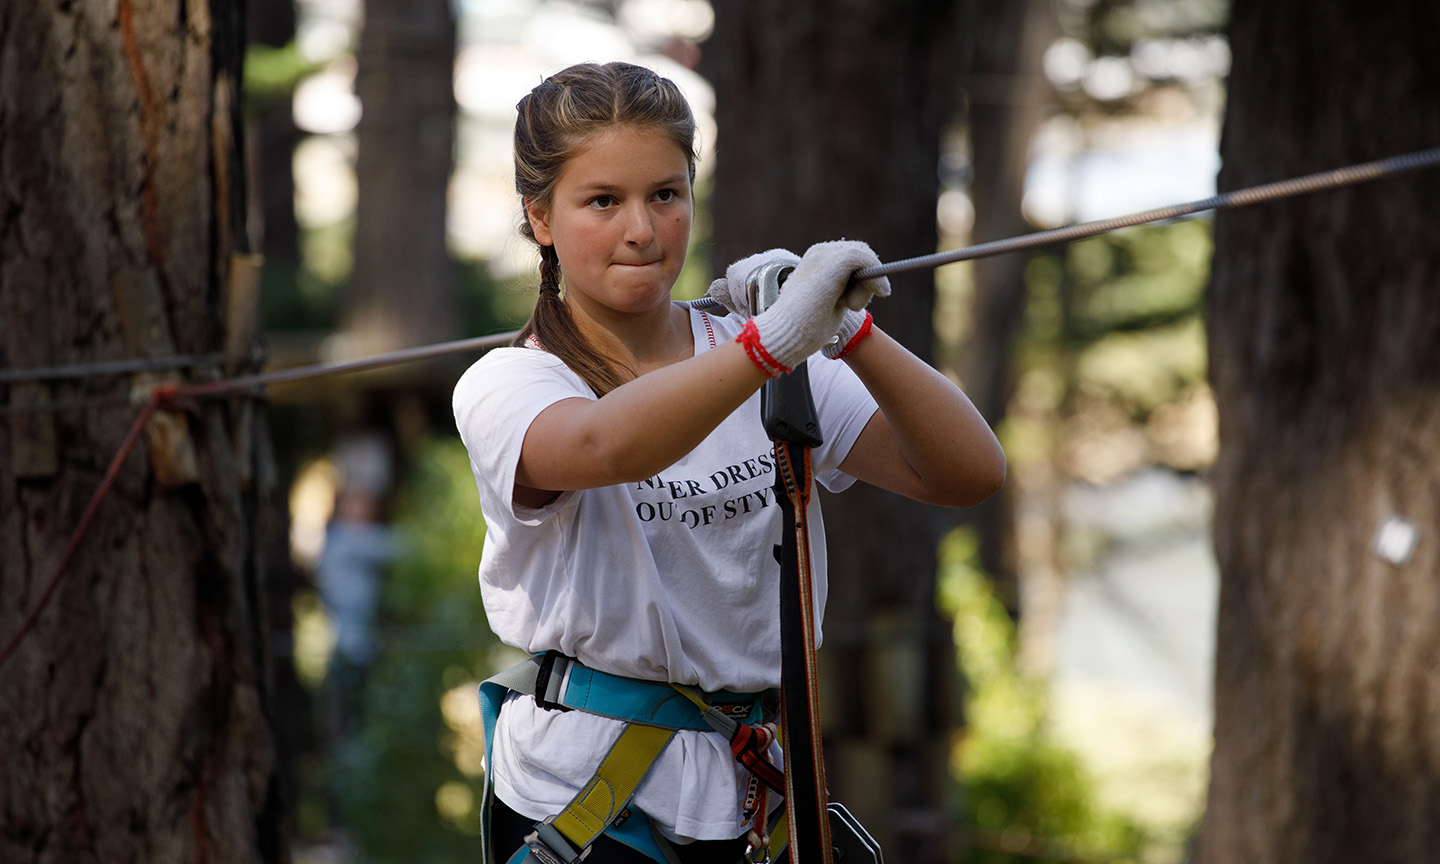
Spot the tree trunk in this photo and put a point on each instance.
(830, 122)
(134, 713)
(1325, 360)
(1008, 100)
(401, 292)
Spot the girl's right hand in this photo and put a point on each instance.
(813, 303)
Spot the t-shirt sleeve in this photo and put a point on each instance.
(845, 406)
(495, 402)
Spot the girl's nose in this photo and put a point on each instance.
(639, 230)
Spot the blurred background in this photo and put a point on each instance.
(1078, 610)
(1197, 624)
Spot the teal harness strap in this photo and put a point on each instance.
(568, 684)
(653, 712)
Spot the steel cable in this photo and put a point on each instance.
(1233, 200)
(1333, 179)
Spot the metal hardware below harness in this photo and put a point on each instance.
(549, 846)
(850, 843)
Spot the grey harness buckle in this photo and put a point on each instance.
(549, 846)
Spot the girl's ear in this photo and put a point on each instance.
(539, 216)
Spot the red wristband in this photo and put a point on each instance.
(859, 335)
(750, 339)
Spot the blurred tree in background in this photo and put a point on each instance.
(830, 126)
(1059, 81)
(1324, 344)
(273, 66)
(373, 273)
(1008, 97)
(402, 291)
(1090, 357)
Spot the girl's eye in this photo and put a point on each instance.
(666, 195)
(602, 201)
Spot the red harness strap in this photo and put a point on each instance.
(749, 747)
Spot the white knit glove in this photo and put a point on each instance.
(812, 306)
(854, 327)
(729, 289)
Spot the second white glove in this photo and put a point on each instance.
(729, 289)
(812, 306)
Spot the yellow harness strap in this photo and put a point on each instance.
(615, 781)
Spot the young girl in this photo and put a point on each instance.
(624, 476)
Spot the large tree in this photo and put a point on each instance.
(830, 121)
(134, 712)
(1325, 360)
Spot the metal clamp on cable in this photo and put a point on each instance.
(550, 680)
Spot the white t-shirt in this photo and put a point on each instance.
(670, 579)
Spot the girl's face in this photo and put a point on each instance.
(619, 219)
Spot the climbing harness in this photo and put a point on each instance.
(653, 712)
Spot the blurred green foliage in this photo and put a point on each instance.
(1113, 341)
(271, 74)
(1023, 797)
(1113, 26)
(309, 299)
(407, 781)
(695, 278)
(297, 299)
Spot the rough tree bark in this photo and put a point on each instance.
(1324, 317)
(134, 713)
(830, 119)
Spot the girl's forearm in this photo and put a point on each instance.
(640, 428)
(936, 433)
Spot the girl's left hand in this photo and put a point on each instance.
(730, 289)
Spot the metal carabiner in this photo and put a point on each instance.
(762, 285)
(787, 408)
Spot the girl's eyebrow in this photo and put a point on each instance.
(602, 186)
